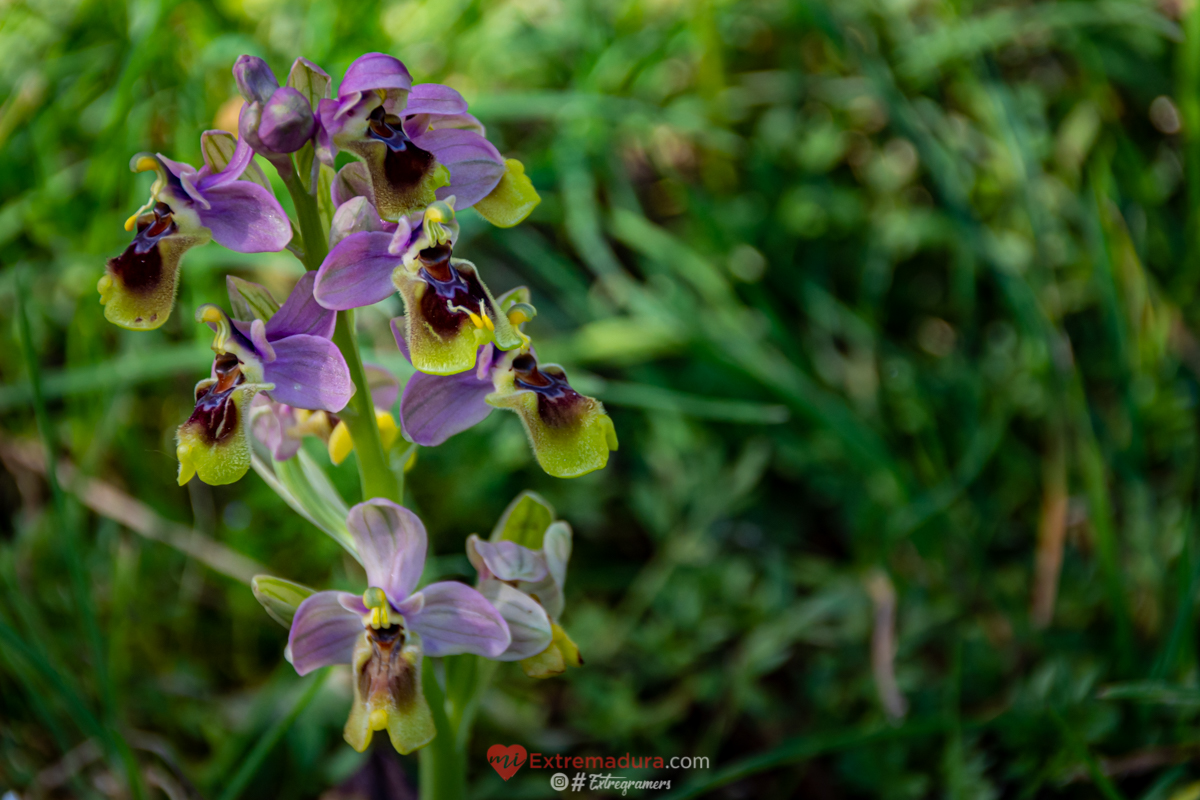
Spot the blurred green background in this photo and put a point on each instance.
(893, 303)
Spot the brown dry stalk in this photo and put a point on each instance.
(883, 644)
(109, 501)
(1052, 532)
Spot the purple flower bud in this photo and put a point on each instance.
(287, 121)
(255, 80)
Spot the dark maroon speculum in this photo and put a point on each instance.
(404, 164)
(453, 290)
(558, 404)
(140, 266)
(216, 413)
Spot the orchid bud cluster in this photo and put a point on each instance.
(385, 223)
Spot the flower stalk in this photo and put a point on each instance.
(375, 474)
(443, 765)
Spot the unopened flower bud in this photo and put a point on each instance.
(287, 121)
(255, 80)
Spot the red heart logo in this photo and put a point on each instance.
(506, 760)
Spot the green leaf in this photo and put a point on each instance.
(1155, 692)
(279, 598)
(250, 301)
(304, 486)
(325, 194)
(525, 521)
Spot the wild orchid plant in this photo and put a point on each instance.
(385, 223)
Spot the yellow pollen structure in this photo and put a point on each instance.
(377, 601)
(378, 720)
(521, 313)
(145, 164)
(438, 213)
(480, 320)
(212, 314)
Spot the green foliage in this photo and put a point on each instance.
(893, 307)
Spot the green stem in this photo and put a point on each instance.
(374, 472)
(250, 766)
(443, 774)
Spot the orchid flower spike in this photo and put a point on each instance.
(384, 633)
(522, 571)
(417, 144)
(284, 351)
(450, 311)
(187, 207)
(570, 433)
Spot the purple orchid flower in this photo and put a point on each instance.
(281, 428)
(418, 144)
(288, 355)
(278, 120)
(187, 207)
(526, 586)
(570, 433)
(384, 633)
(522, 571)
(450, 311)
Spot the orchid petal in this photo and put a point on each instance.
(557, 547)
(247, 218)
(323, 633)
(509, 561)
(475, 165)
(527, 621)
(375, 71)
(434, 98)
(238, 163)
(301, 313)
(351, 181)
(275, 425)
(391, 542)
(436, 407)
(453, 618)
(255, 80)
(446, 323)
(309, 372)
(356, 215)
(357, 272)
(258, 335)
